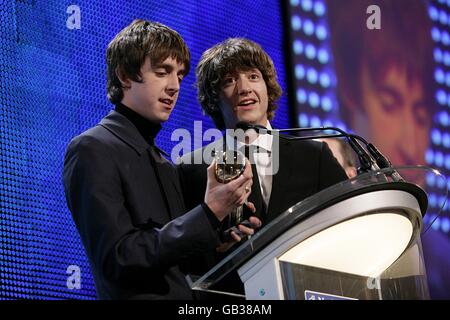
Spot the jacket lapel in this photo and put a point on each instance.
(256, 196)
(124, 130)
(279, 180)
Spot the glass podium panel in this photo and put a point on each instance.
(351, 260)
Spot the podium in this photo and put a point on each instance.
(359, 239)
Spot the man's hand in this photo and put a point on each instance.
(255, 224)
(222, 198)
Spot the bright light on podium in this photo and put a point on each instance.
(364, 246)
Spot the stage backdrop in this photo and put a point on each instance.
(53, 87)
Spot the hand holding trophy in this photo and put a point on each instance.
(229, 165)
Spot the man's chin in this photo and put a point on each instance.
(164, 116)
(249, 120)
(158, 119)
(255, 122)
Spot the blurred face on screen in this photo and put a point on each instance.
(396, 116)
(243, 97)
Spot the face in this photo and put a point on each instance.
(396, 118)
(155, 97)
(243, 97)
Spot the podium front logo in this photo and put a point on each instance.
(373, 283)
(313, 295)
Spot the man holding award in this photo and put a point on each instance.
(237, 83)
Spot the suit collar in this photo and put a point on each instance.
(124, 129)
(146, 128)
(259, 141)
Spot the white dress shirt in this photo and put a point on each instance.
(262, 159)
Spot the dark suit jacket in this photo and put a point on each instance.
(134, 247)
(305, 168)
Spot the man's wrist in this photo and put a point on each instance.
(214, 221)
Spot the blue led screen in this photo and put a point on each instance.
(53, 87)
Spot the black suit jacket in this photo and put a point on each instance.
(135, 245)
(305, 168)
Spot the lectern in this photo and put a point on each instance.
(359, 239)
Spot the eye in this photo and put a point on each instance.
(390, 100)
(228, 81)
(254, 76)
(180, 78)
(421, 115)
(387, 103)
(161, 72)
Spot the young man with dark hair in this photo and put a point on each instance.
(125, 197)
(224, 61)
(236, 82)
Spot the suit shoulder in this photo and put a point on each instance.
(94, 141)
(90, 152)
(307, 145)
(93, 137)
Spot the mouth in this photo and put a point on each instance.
(167, 102)
(246, 103)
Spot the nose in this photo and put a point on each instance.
(173, 84)
(244, 86)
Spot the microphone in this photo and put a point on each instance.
(263, 130)
(372, 160)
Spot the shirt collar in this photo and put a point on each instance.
(262, 141)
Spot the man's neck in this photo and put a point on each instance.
(147, 129)
(252, 135)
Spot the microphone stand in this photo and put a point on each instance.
(370, 160)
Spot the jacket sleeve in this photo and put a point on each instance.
(114, 245)
(331, 172)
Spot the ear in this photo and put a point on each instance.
(126, 83)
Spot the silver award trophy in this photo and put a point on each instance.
(230, 164)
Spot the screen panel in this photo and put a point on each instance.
(53, 87)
